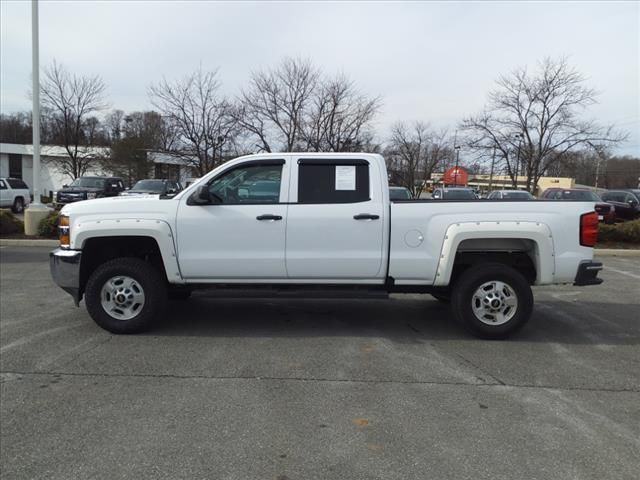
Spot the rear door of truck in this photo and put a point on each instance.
(336, 219)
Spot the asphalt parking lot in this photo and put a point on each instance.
(254, 388)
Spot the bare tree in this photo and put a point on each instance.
(413, 153)
(114, 124)
(203, 119)
(533, 121)
(339, 117)
(70, 101)
(273, 105)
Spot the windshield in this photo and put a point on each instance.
(154, 186)
(399, 194)
(458, 194)
(88, 182)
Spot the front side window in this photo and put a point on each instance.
(323, 182)
(249, 184)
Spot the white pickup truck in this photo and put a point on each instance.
(319, 220)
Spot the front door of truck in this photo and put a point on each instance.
(241, 233)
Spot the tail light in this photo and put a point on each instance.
(589, 229)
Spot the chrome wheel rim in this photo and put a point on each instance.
(494, 303)
(122, 297)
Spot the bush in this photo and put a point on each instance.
(9, 223)
(48, 226)
(620, 232)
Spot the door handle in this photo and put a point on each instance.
(366, 216)
(269, 217)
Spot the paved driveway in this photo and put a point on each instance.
(248, 388)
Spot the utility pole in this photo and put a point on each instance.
(36, 211)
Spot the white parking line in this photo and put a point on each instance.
(623, 272)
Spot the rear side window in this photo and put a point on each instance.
(15, 183)
(344, 182)
(2, 185)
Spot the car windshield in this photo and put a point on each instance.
(399, 194)
(89, 182)
(458, 194)
(584, 195)
(154, 186)
(517, 195)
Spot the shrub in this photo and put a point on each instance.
(48, 226)
(9, 223)
(620, 232)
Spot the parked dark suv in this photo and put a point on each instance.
(86, 188)
(627, 203)
(606, 211)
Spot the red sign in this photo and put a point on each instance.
(456, 176)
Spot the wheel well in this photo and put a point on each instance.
(518, 260)
(18, 197)
(99, 250)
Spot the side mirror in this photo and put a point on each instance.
(202, 196)
(65, 186)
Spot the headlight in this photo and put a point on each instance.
(91, 195)
(64, 231)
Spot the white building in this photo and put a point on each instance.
(16, 161)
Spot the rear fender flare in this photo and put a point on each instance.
(543, 257)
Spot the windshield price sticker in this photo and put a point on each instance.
(345, 177)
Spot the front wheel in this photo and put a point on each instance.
(492, 300)
(125, 295)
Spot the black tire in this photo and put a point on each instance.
(181, 294)
(462, 300)
(148, 278)
(18, 205)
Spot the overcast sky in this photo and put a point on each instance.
(428, 61)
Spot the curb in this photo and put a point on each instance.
(26, 242)
(617, 252)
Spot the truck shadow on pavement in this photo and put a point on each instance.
(411, 320)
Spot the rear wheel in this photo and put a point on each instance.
(492, 300)
(125, 295)
(18, 205)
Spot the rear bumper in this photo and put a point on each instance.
(588, 274)
(65, 270)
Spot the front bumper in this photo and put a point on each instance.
(65, 270)
(588, 274)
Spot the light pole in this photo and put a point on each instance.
(455, 171)
(36, 211)
(493, 161)
(221, 139)
(519, 137)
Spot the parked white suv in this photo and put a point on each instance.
(14, 193)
